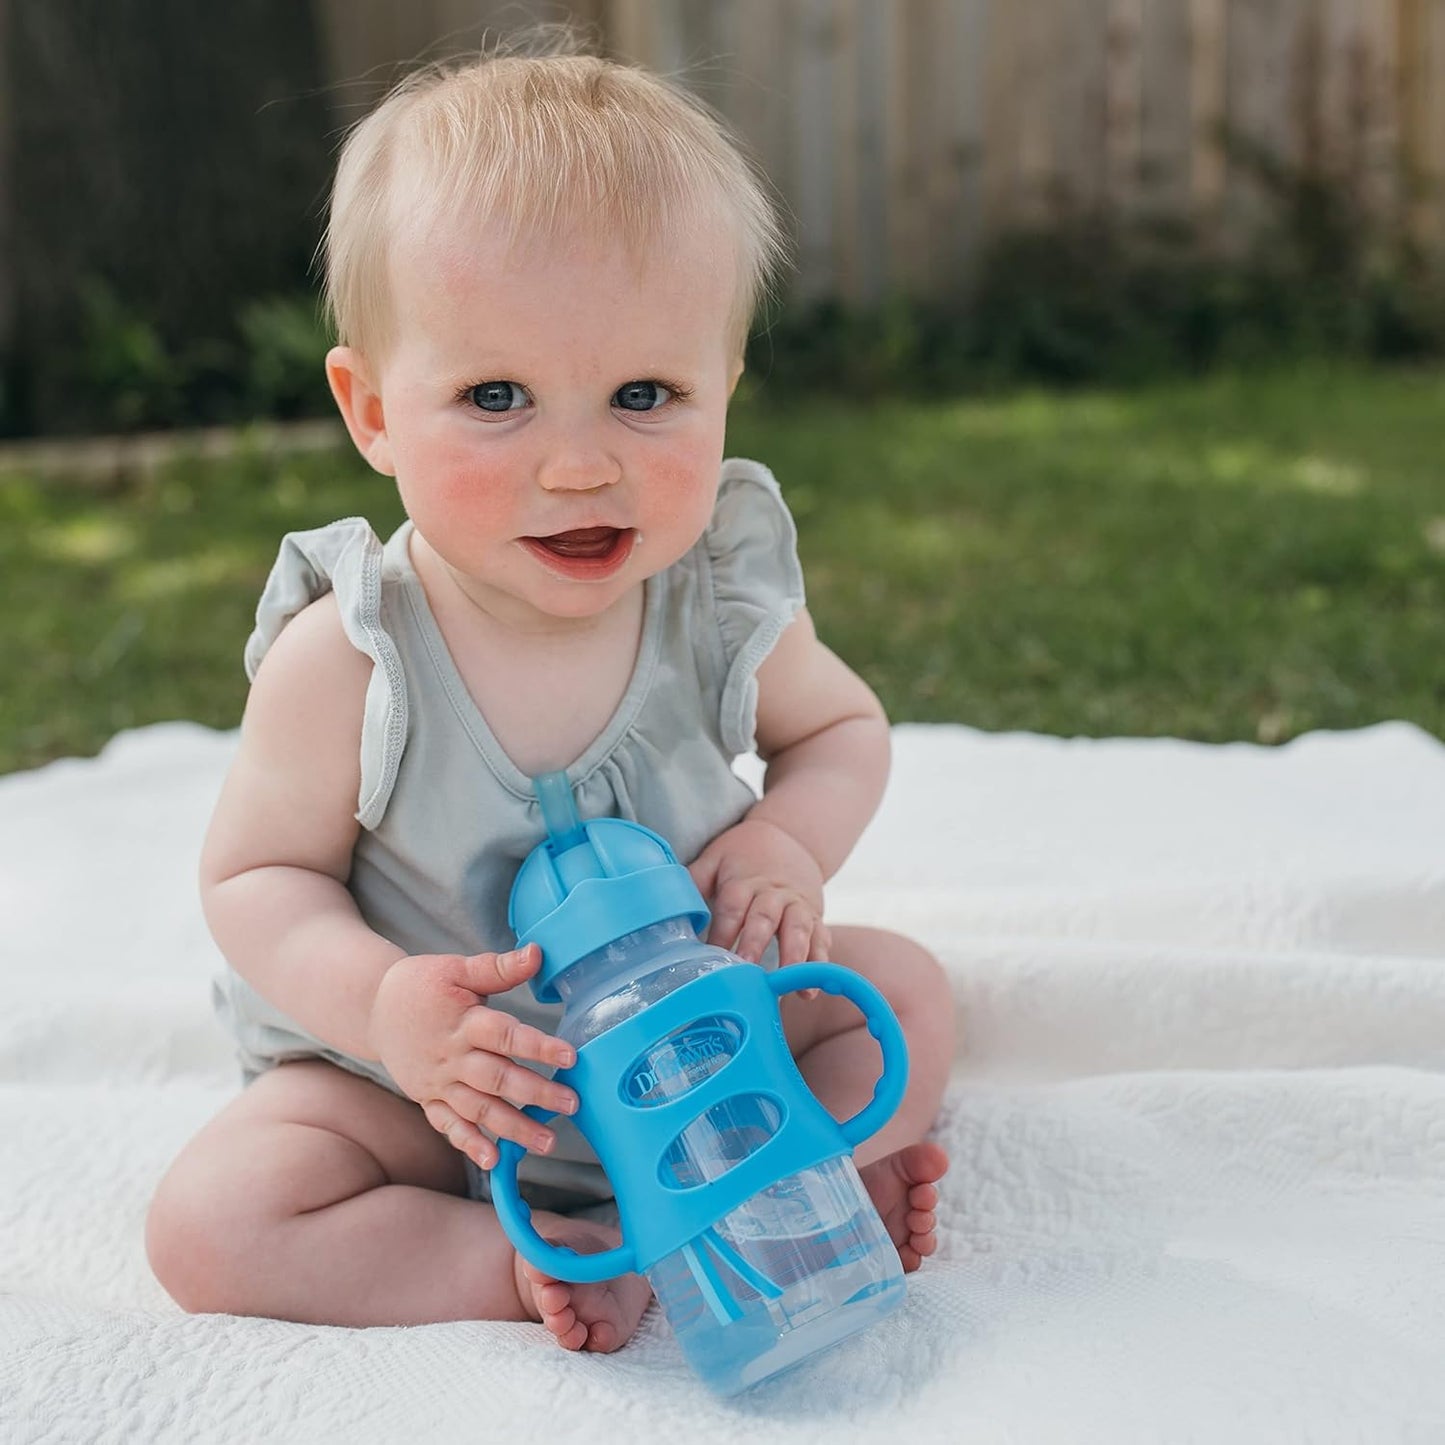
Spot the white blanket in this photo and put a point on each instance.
(1197, 1122)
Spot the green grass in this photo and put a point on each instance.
(1247, 557)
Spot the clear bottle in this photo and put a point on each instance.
(797, 1266)
(814, 1234)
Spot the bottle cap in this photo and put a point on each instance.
(589, 884)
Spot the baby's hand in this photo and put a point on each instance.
(432, 1028)
(761, 882)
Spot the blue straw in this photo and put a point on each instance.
(559, 811)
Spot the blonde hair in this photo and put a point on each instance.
(542, 144)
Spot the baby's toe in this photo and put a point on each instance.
(552, 1297)
(569, 1331)
(921, 1221)
(929, 1161)
(923, 1196)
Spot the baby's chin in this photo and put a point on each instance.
(544, 599)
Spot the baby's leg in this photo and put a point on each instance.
(320, 1197)
(841, 1060)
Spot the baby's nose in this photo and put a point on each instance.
(578, 471)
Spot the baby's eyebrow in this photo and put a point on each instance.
(489, 369)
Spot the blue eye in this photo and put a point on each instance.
(498, 396)
(641, 396)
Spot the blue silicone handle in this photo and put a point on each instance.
(882, 1024)
(516, 1217)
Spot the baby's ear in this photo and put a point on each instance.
(360, 406)
(734, 375)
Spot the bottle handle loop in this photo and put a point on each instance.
(516, 1217)
(882, 1024)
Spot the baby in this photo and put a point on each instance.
(542, 270)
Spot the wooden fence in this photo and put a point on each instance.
(905, 134)
(178, 154)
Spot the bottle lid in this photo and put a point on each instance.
(588, 884)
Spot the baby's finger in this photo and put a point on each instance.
(461, 1133)
(729, 909)
(760, 927)
(488, 973)
(499, 1118)
(493, 1074)
(795, 935)
(495, 1032)
(822, 950)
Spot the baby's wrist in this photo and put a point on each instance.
(794, 837)
(377, 1012)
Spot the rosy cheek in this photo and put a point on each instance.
(450, 486)
(684, 488)
(461, 486)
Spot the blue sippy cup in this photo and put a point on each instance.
(736, 1189)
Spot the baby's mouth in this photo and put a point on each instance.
(585, 554)
(589, 542)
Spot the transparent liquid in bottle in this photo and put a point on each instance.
(798, 1266)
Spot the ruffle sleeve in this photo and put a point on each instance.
(757, 584)
(347, 558)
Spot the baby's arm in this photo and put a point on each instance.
(273, 886)
(278, 852)
(824, 737)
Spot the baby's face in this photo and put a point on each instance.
(554, 417)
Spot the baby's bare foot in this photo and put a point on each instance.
(903, 1190)
(599, 1317)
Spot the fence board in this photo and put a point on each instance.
(1379, 59)
(1123, 105)
(815, 121)
(843, 142)
(1431, 227)
(879, 195)
(954, 174)
(1264, 45)
(1034, 156)
(7, 217)
(1209, 99)
(1075, 82)
(763, 94)
(1166, 120)
(1019, 133)
(1001, 106)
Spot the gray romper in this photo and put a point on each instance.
(446, 817)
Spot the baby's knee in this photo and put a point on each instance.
(926, 998)
(914, 982)
(194, 1243)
